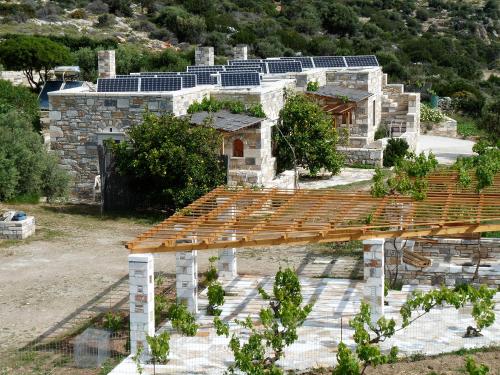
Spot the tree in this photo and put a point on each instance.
(21, 100)
(34, 55)
(341, 19)
(305, 128)
(170, 162)
(490, 119)
(26, 168)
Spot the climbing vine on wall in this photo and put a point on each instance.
(234, 106)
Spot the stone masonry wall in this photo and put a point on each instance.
(77, 119)
(454, 261)
(368, 156)
(204, 55)
(17, 230)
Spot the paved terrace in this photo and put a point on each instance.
(439, 331)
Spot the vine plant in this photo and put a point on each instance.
(276, 329)
(215, 291)
(368, 335)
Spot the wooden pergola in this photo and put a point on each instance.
(246, 217)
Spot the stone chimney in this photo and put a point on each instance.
(106, 64)
(240, 52)
(204, 55)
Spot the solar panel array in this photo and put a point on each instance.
(118, 84)
(277, 67)
(236, 73)
(161, 83)
(239, 79)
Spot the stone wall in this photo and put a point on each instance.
(368, 156)
(454, 261)
(240, 52)
(314, 75)
(106, 65)
(17, 230)
(78, 119)
(446, 128)
(401, 108)
(257, 166)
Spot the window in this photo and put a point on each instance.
(238, 148)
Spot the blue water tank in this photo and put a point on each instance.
(19, 216)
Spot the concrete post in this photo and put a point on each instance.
(204, 55)
(187, 279)
(240, 52)
(142, 300)
(373, 292)
(227, 266)
(106, 64)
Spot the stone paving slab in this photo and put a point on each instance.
(337, 301)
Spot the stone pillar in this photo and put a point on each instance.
(227, 266)
(142, 300)
(106, 64)
(373, 292)
(186, 277)
(204, 55)
(240, 52)
(227, 269)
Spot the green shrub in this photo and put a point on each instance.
(382, 131)
(474, 369)
(78, 14)
(160, 348)
(428, 114)
(312, 86)
(215, 295)
(182, 320)
(396, 149)
(113, 321)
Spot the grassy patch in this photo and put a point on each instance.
(467, 126)
(491, 234)
(349, 248)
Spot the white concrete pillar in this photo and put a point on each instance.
(142, 300)
(373, 292)
(106, 65)
(186, 272)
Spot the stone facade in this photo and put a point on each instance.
(354, 155)
(106, 64)
(204, 55)
(142, 297)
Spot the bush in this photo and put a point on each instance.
(170, 162)
(396, 149)
(312, 86)
(182, 320)
(422, 14)
(105, 20)
(382, 131)
(97, 7)
(78, 14)
(26, 168)
(490, 119)
(428, 114)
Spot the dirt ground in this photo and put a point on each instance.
(449, 364)
(76, 263)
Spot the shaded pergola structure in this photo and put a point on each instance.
(230, 218)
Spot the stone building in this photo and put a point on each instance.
(82, 118)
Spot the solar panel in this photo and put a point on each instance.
(369, 60)
(161, 83)
(118, 84)
(240, 79)
(247, 61)
(262, 64)
(306, 61)
(72, 84)
(329, 62)
(284, 67)
(205, 78)
(49, 86)
(188, 80)
(255, 68)
(205, 68)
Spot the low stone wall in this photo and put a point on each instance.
(453, 262)
(367, 156)
(17, 230)
(446, 128)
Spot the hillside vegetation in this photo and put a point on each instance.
(436, 46)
